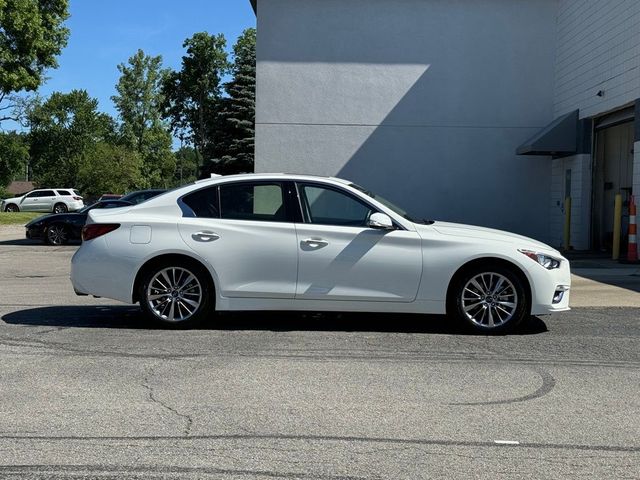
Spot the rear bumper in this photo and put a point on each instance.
(76, 205)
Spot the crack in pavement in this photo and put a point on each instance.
(152, 396)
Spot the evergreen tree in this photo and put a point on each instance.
(235, 120)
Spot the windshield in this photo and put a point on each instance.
(386, 203)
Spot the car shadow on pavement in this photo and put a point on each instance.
(130, 317)
(21, 241)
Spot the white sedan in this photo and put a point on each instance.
(293, 242)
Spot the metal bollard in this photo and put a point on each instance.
(617, 227)
(567, 224)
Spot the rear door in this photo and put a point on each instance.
(244, 230)
(341, 258)
(46, 200)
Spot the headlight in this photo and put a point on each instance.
(543, 259)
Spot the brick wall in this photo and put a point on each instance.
(598, 49)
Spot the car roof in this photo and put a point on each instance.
(272, 176)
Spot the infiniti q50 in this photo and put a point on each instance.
(293, 242)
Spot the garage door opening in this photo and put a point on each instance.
(612, 175)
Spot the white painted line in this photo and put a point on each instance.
(506, 442)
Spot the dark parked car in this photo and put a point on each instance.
(142, 195)
(58, 229)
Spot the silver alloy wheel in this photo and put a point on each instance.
(57, 235)
(174, 294)
(489, 300)
(60, 208)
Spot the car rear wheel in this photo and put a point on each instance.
(489, 299)
(60, 208)
(12, 208)
(57, 235)
(176, 294)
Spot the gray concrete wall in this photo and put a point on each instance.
(423, 101)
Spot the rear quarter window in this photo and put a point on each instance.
(203, 203)
(64, 193)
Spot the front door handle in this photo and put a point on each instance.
(205, 236)
(315, 242)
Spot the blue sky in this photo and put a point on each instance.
(106, 33)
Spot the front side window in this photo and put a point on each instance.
(252, 201)
(326, 206)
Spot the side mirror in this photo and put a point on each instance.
(380, 221)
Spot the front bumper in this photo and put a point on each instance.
(34, 233)
(550, 289)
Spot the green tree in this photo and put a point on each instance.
(235, 122)
(187, 165)
(14, 156)
(138, 103)
(32, 35)
(192, 95)
(63, 129)
(109, 168)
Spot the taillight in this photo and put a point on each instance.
(95, 230)
(77, 198)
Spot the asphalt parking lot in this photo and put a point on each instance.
(89, 390)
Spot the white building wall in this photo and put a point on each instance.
(598, 49)
(423, 101)
(580, 166)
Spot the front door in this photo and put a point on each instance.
(340, 258)
(243, 230)
(30, 202)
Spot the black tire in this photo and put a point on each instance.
(159, 310)
(11, 208)
(490, 309)
(56, 234)
(60, 208)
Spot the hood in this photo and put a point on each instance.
(462, 230)
(13, 199)
(50, 217)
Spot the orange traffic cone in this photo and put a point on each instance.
(632, 252)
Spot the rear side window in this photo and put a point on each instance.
(47, 193)
(64, 193)
(203, 203)
(252, 201)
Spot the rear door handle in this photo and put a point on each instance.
(315, 242)
(205, 236)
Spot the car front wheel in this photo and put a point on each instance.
(12, 208)
(176, 294)
(489, 299)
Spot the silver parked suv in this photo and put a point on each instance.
(58, 200)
